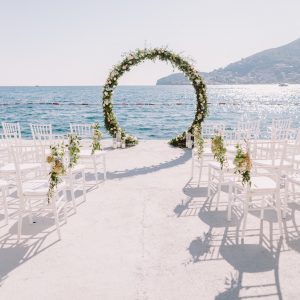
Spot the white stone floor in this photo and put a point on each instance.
(150, 232)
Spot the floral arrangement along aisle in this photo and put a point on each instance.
(135, 57)
(57, 168)
(219, 150)
(97, 136)
(74, 149)
(198, 140)
(243, 165)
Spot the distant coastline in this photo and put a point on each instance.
(272, 66)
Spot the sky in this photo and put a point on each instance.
(77, 42)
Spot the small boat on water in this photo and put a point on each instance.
(283, 84)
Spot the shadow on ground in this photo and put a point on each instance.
(151, 169)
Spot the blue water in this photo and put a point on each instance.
(149, 112)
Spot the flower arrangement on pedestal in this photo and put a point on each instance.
(57, 168)
(97, 136)
(243, 164)
(135, 57)
(219, 150)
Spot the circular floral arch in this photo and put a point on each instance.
(136, 57)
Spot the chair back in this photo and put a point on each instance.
(280, 128)
(11, 130)
(209, 129)
(41, 131)
(247, 130)
(276, 151)
(84, 131)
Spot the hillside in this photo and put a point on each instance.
(275, 65)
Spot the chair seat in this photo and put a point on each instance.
(231, 149)
(10, 167)
(77, 168)
(3, 183)
(259, 183)
(216, 166)
(206, 154)
(269, 163)
(38, 187)
(295, 178)
(88, 153)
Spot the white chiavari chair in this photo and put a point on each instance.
(209, 129)
(33, 191)
(75, 181)
(263, 194)
(96, 161)
(12, 130)
(272, 156)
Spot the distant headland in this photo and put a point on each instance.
(270, 66)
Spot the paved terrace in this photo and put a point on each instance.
(150, 232)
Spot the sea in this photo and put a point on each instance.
(148, 112)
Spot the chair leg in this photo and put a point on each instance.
(83, 185)
(4, 194)
(262, 210)
(246, 208)
(200, 170)
(30, 212)
(229, 207)
(286, 199)
(104, 167)
(219, 190)
(96, 172)
(55, 213)
(278, 209)
(65, 207)
(192, 170)
(294, 191)
(72, 193)
(209, 183)
(20, 218)
(20, 221)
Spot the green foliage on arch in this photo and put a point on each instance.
(136, 57)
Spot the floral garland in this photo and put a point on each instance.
(198, 140)
(135, 57)
(74, 149)
(218, 149)
(58, 169)
(243, 165)
(97, 136)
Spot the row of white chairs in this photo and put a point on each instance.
(23, 167)
(45, 131)
(274, 175)
(249, 129)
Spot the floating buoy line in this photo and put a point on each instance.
(140, 103)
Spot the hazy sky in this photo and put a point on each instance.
(72, 42)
